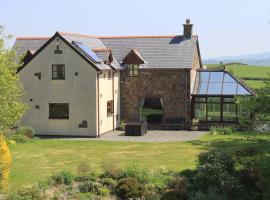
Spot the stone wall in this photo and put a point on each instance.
(173, 85)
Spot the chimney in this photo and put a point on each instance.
(187, 29)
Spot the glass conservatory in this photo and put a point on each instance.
(213, 97)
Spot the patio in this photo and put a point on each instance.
(153, 136)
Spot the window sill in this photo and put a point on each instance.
(58, 79)
(59, 118)
(110, 115)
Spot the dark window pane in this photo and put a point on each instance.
(58, 110)
(229, 88)
(109, 107)
(229, 112)
(214, 88)
(229, 99)
(200, 99)
(58, 71)
(135, 70)
(213, 112)
(200, 111)
(214, 100)
(216, 77)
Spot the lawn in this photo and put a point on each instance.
(38, 159)
(248, 71)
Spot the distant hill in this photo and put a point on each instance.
(260, 59)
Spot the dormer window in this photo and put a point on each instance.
(132, 69)
(132, 61)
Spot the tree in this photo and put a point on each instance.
(258, 104)
(5, 164)
(11, 91)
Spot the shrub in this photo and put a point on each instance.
(133, 170)
(109, 183)
(63, 177)
(211, 194)
(26, 193)
(150, 192)
(26, 131)
(217, 169)
(220, 158)
(122, 125)
(19, 138)
(226, 130)
(5, 164)
(104, 192)
(83, 168)
(44, 185)
(129, 188)
(86, 177)
(111, 170)
(249, 159)
(160, 178)
(177, 189)
(89, 186)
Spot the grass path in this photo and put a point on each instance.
(38, 159)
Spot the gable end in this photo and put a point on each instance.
(66, 42)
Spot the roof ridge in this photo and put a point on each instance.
(33, 38)
(137, 36)
(78, 34)
(100, 37)
(101, 49)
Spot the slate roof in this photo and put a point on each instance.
(157, 51)
(23, 44)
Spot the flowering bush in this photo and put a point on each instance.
(5, 164)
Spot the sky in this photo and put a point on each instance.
(224, 27)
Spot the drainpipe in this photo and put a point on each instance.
(98, 103)
(113, 96)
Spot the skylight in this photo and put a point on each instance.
(87, 52)
(218, 83)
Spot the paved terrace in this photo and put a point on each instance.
(151, 136)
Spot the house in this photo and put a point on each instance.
(83, 85)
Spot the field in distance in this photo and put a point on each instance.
(253, 76)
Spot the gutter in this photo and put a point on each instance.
(98, 128)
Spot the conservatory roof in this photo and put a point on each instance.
(219, 83)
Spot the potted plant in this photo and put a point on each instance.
(194, 124)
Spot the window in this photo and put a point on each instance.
(110, 107)
(229, 112)
(219, 83)
(58, 111)
(57, 50)
(229, 109)
(215, 109)
(132, 70)
(200, 111)
(58, 72)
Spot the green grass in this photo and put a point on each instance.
(248, 71)
(38, 159)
